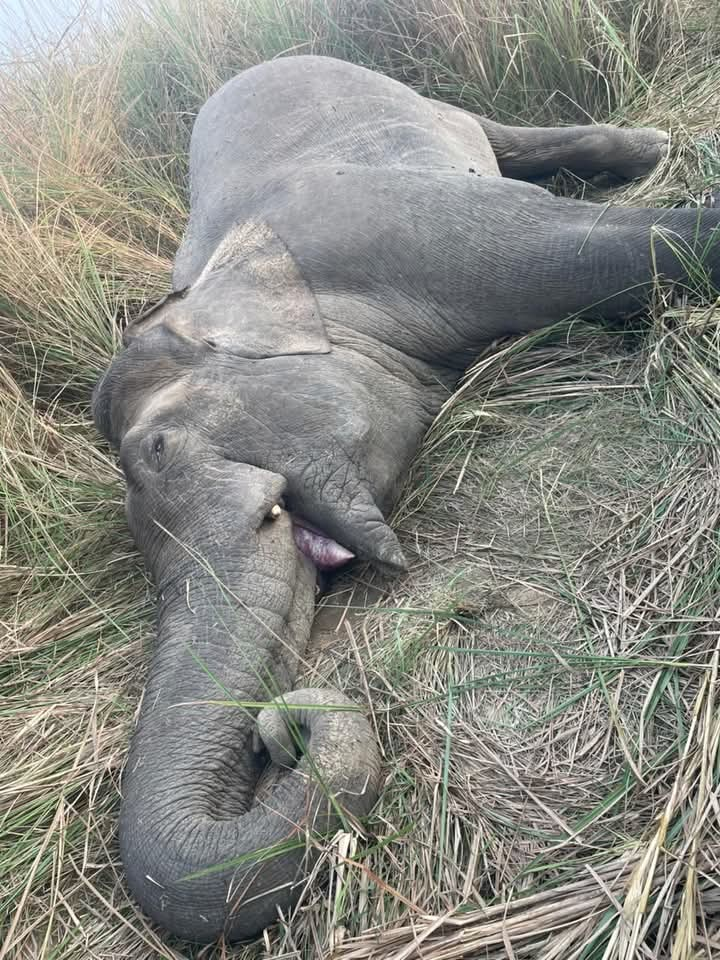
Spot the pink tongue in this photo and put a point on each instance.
(325, 553)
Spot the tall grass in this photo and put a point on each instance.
(95, 133)
(544, 682)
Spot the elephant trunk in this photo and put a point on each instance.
(205, 852)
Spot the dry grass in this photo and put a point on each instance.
(553, 718)
(544, 682)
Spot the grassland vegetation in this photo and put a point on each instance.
(544, 682)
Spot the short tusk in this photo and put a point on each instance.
(275, 511)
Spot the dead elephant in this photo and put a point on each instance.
(351, 246)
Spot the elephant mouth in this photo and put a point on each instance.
(324, 552)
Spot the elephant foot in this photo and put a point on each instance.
(639, 151)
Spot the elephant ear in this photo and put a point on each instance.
(250, 301)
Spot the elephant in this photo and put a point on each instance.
(351, 246)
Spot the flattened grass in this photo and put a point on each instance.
(543, 683)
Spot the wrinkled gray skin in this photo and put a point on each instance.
(351, 246)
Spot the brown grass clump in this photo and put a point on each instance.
(544, 682)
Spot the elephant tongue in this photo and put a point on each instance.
(325, 553)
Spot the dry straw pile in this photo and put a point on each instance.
(545, 681)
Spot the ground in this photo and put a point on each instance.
(544, 681)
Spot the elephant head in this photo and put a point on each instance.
(235, 571)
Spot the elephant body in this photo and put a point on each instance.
(351, 245)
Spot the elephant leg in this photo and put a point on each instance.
(556, 257)
(600, 260)
(525, 153)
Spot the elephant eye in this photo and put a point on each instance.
(156, 447)
(159, 448)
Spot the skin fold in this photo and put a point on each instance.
(351, 246)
